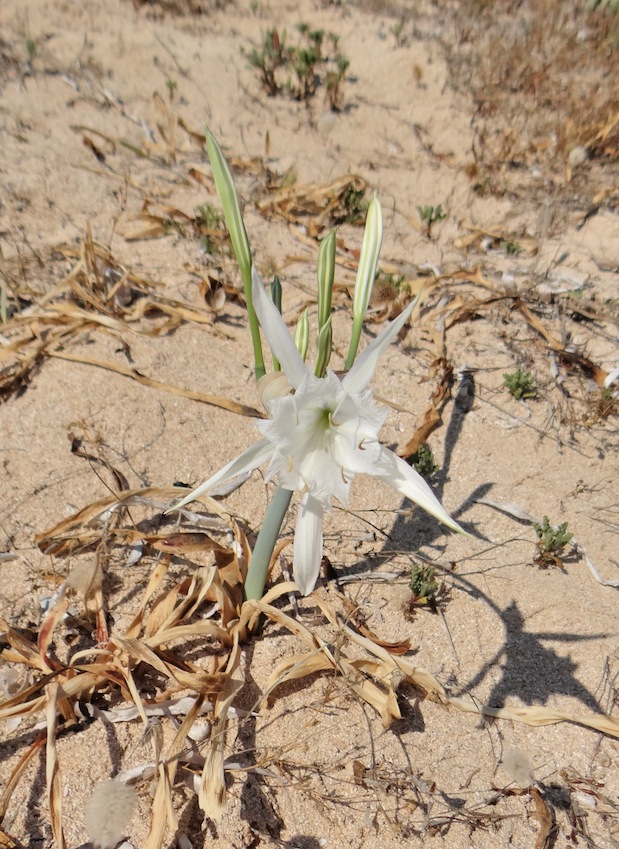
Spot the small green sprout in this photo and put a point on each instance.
(333, 80)
(171, 86)
(511, 248)
(269, 58)
(397, 31)
(423, 462)
(613, 5)
(520, 384)
(393, 284)
(430, 215)
(355, 204)
(210, 221)
(551, 541)
(603, 403)
(425, 589)
(422, 583)
(209, 216)
(579, 293)
(299, 70)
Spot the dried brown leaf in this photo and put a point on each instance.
(46, 632)
(584, 363)
(183, 542)
(201, 628)
(545, 818)
(163, 812)
(24, 651)
(323, 204)
(85, 527)
(52, 770)
(21, 766)
(154, 582)
(134, 374)
(212, 793)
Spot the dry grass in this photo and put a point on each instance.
(155, 646)
(180, 7)
(543, 77)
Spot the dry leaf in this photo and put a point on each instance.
(545, 817)
(212, 793)
(52, 770)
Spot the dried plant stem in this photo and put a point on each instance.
(54, 786)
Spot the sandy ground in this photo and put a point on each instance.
(101, 108)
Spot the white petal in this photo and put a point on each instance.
(398, 474)
(276, 332)
(365, 365)
(245, 462)
(308, 544)
(323, 437)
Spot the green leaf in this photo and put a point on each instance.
(366, 274)
(325, 272)
(325, 346)
(302, 333)
(228, 197)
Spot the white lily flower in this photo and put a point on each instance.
(319, 438)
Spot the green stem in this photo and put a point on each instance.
(229, 200)
(263, 549)
(355, 336)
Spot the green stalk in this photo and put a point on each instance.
(325, 272)
(366, 274)
(325, 346)
(238, 236)
(276, 297)
(263, 549)
(301, 334)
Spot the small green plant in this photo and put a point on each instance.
(430, 215)
(209, 216)
(171, 87)
(422, 583)
(355, 205)
(211, 225)
(298, 70)
(423, 462)
(520, 384)
(511, 248)
(390, 286)
(613, 5)
(304, 60)
(333, 80)
(425, 590)
(269, 58)
(398, 33)
(551, 541)
(31, 48)
(602, 404)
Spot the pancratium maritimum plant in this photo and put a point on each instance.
(325, 432)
